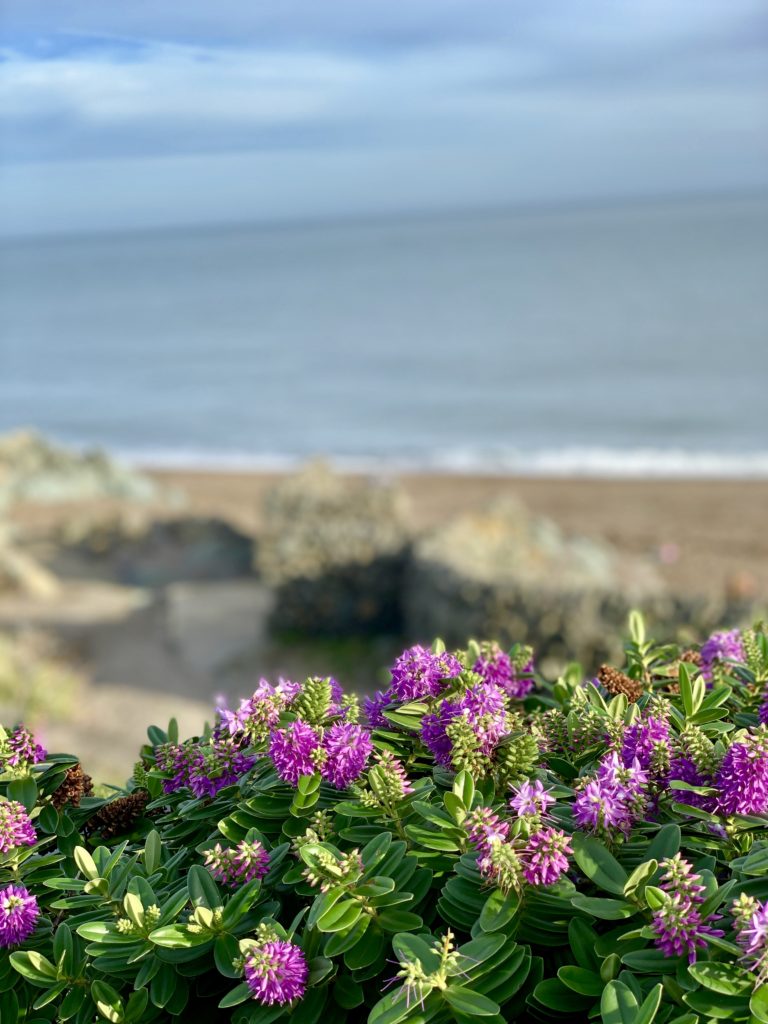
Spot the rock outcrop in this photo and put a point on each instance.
(34, 469)
(334, 549)
(142, 551)
(503, 572)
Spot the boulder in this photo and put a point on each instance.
(33, 469)
(138, 550)
(334, 549)
(505, 573)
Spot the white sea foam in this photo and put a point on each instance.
(639, 463)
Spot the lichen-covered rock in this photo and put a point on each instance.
(334, 549)
(140, 550)
(503, 572)
(34, 469)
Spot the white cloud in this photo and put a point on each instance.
(370, 106)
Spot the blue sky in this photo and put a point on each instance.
(140, 113)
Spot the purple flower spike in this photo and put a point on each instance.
(16, 828)
(24, 749)
(546, 856)
(433, 734)
(374, 707)
(640, 738)
(743, 776)
(496, 666)
(291, 750)
(235, 867)
(531, 799)
(18, 915)
(419, 672)
(678, 924)
(347, 749)
(276, 972)
(719, 648)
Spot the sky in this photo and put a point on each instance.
(141, 114)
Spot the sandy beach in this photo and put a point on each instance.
(705, 534)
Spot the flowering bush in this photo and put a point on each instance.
(475, 842)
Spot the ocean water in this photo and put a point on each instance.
(614, 340)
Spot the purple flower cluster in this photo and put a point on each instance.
(234, 867)
(374, 708)
(640, 741)
(531, 800)
(341, 753)
(742, 777)
(718, 649)
(24, 750)
(255, 715)
(496, 666)
(419, 672)
(395, 774)
(293, 751)
(542, 859)
(16, 828)
(751, 925)
(485, 828)
(276, 972)
(203, 769)
(347, 748)
(484, 706)
(545, 858)
(18, 915)
(433, 734)
(614, 799)
(683, 769)
(678, 924)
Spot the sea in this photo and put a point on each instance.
(609, 340)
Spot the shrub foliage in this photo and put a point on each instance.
(477, 842)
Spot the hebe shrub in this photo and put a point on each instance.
(476, 842)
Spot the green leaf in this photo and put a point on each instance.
(582, 939)
(153, 847)
(463, 999)
(605, 909)
(650, 1006)
(464, 789)
(618, 1005)
(225, 950)
(413, 949)
(398, 921)
(108, 1001)
(347, 993)
(24, 791)
(236, 996)
(203, 891)
(585, 982)
(639, 878)
(176, 936)
(726, 978)
(85, 863)
(758, 1004)
(553, 994)
(34, 967)
(340, 917)
(599, 864)
(374, 852)
(498, 910)
(665, 843)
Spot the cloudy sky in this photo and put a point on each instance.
(152, 112)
